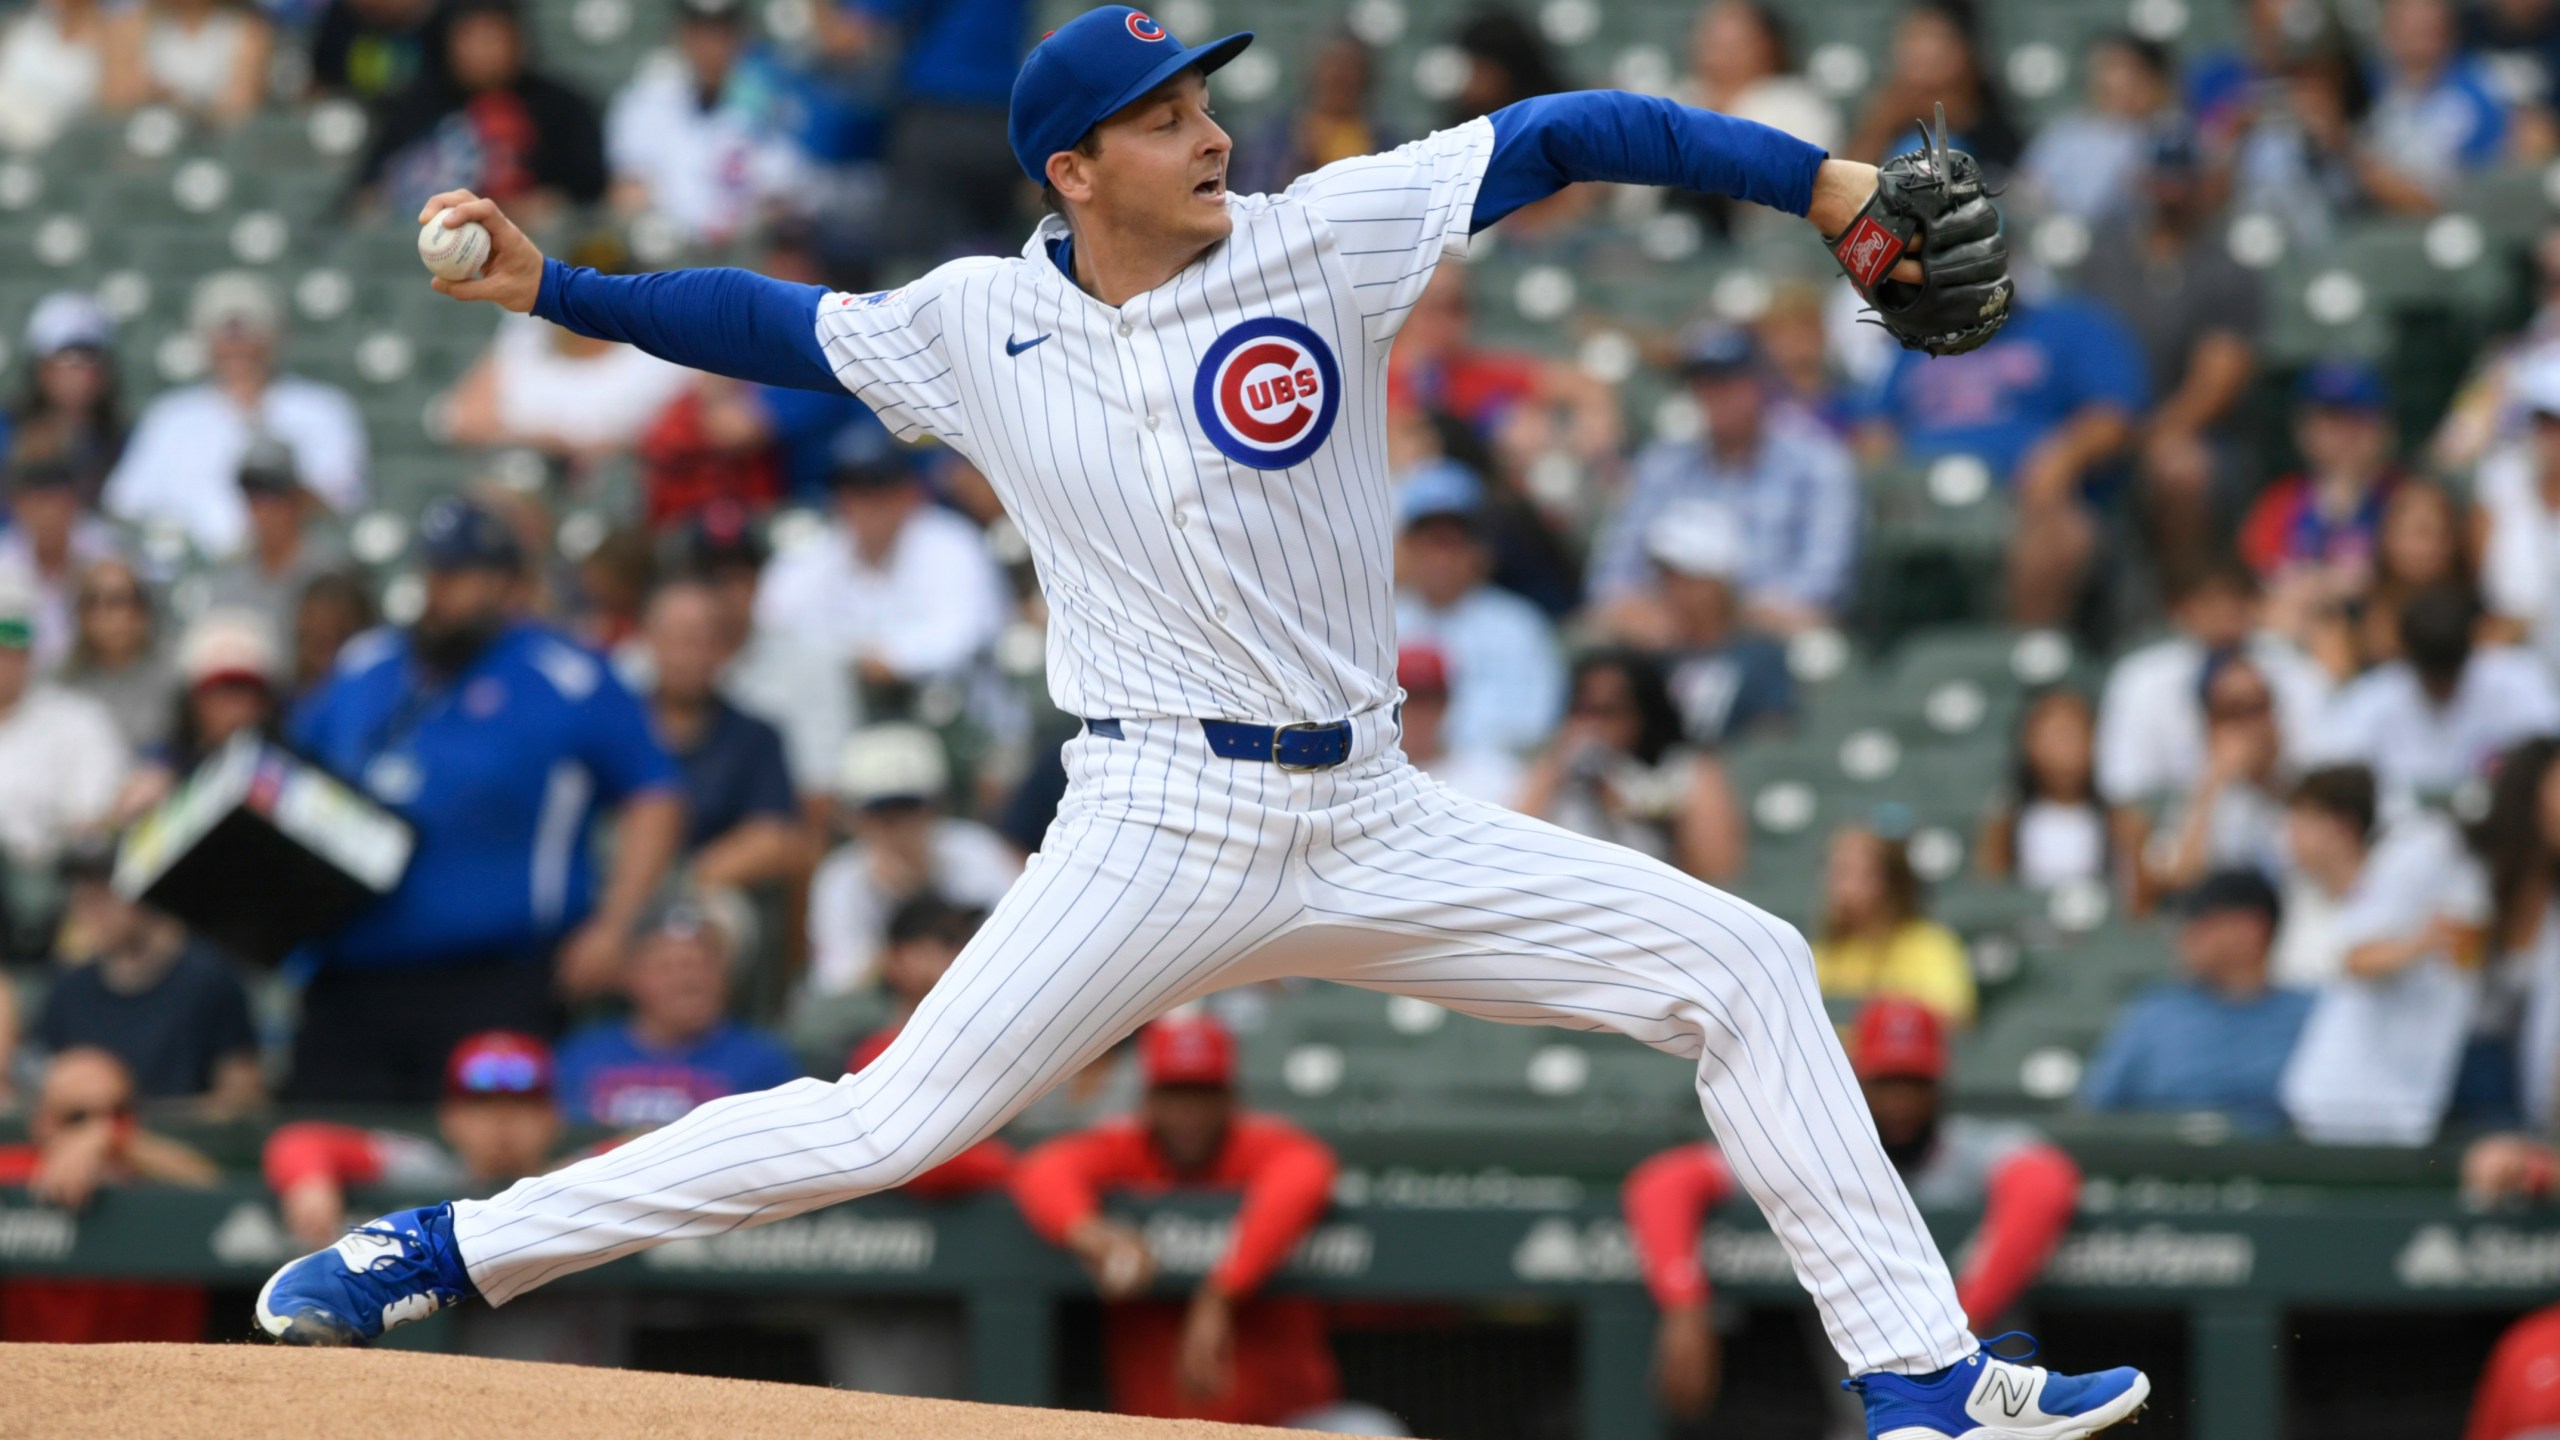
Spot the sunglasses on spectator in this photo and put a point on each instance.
(2251, 707)
(74, 1119)
(500, 1073)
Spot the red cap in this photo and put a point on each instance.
(498, 1062)
(1191, 1050)
(1422, 668)
(1899, 1039)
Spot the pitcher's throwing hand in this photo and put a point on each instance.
(512, 275)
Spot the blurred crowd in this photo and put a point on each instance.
(706, 793)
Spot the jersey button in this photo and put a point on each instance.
(1125, 329)
(1151, 422)
(1181, 519)
(1221, 613)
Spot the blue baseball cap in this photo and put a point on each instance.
(455, 534)
(1083, 72)
(1715, 348)
(1441, 489)
(2342, 385)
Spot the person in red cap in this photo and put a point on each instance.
(2025, 1187)
(497, 1124)
(2519, 1394)
(1423, 670)
(1227, 1353)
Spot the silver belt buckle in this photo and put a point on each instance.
(1279, 730)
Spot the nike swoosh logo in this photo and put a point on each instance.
(1016, 347)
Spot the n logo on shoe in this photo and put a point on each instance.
(364, 1249)
(2011, 1389)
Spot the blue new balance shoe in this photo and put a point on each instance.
(1988, 1398)
(400, 1268)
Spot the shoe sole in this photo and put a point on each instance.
(316, 1328)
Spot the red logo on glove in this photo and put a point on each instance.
(1868, 251)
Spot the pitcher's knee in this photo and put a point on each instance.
(895, 1139)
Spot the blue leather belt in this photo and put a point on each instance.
(1306, 745)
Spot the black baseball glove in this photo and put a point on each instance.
(1930, 206)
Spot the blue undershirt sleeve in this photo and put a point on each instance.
(1542, 145)
(729, 322)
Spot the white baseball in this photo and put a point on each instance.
(456, 253)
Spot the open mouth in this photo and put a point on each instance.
(1213, 188)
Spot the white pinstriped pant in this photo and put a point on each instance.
(1169, 874)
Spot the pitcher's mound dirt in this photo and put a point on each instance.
(269, 1392)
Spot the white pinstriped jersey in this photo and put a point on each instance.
(1201, 472)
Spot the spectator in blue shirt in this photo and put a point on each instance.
(679, 1046)
(1794, 488)
(2219, 1039)
(950, 164)
(743, 824)
(499, 740)
(2436, 116)
(1506, 676)
(2045, 406)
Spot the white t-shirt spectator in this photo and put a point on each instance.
(2417, 870)
(2151, 718)
(800, 691)
(1506, 676)
(47, 80)
(182, 466)
(195, 65)
(61, 762)
(603, 400)
(2377, 1060)
(935, 605)
(2057, 844)
(2383, 719)
(2520, 571)
(849, 917)
(708, 169)
(1487, 775)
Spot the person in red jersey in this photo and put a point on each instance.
(2519, 1397)
(81, 1138)
(1228, 1353)
(2025, 1187)
(497, 1124)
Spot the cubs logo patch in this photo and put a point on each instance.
(1267, 393)
(1144, 27)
